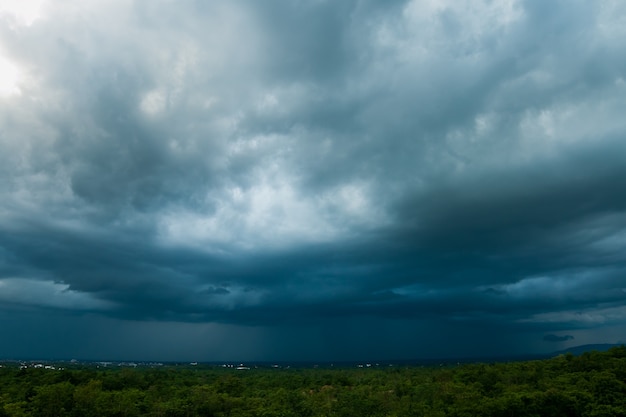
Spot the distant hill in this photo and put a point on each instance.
(579, 350)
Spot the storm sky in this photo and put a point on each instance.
(311, 180)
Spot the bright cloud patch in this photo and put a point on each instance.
(25, 11)
(9, 78)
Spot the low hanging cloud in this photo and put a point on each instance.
(19, 292)
(294, 162)
(555, 338)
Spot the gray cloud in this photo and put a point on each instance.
(291, 164)
(555, 338)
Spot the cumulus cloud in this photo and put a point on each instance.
(295, 162)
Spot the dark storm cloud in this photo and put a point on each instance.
(555, 338)
(298, 163)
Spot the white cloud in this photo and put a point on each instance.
(270, 215)
(25, 11)
(9, 78)
(153, 102)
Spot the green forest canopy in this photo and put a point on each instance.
(592, 384)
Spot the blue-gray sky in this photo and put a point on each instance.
(323, 180)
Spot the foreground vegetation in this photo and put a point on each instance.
(593, 384)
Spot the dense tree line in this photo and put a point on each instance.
(590, 385)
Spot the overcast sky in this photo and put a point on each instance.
(322, 180)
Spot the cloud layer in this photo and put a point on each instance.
(321, 164)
